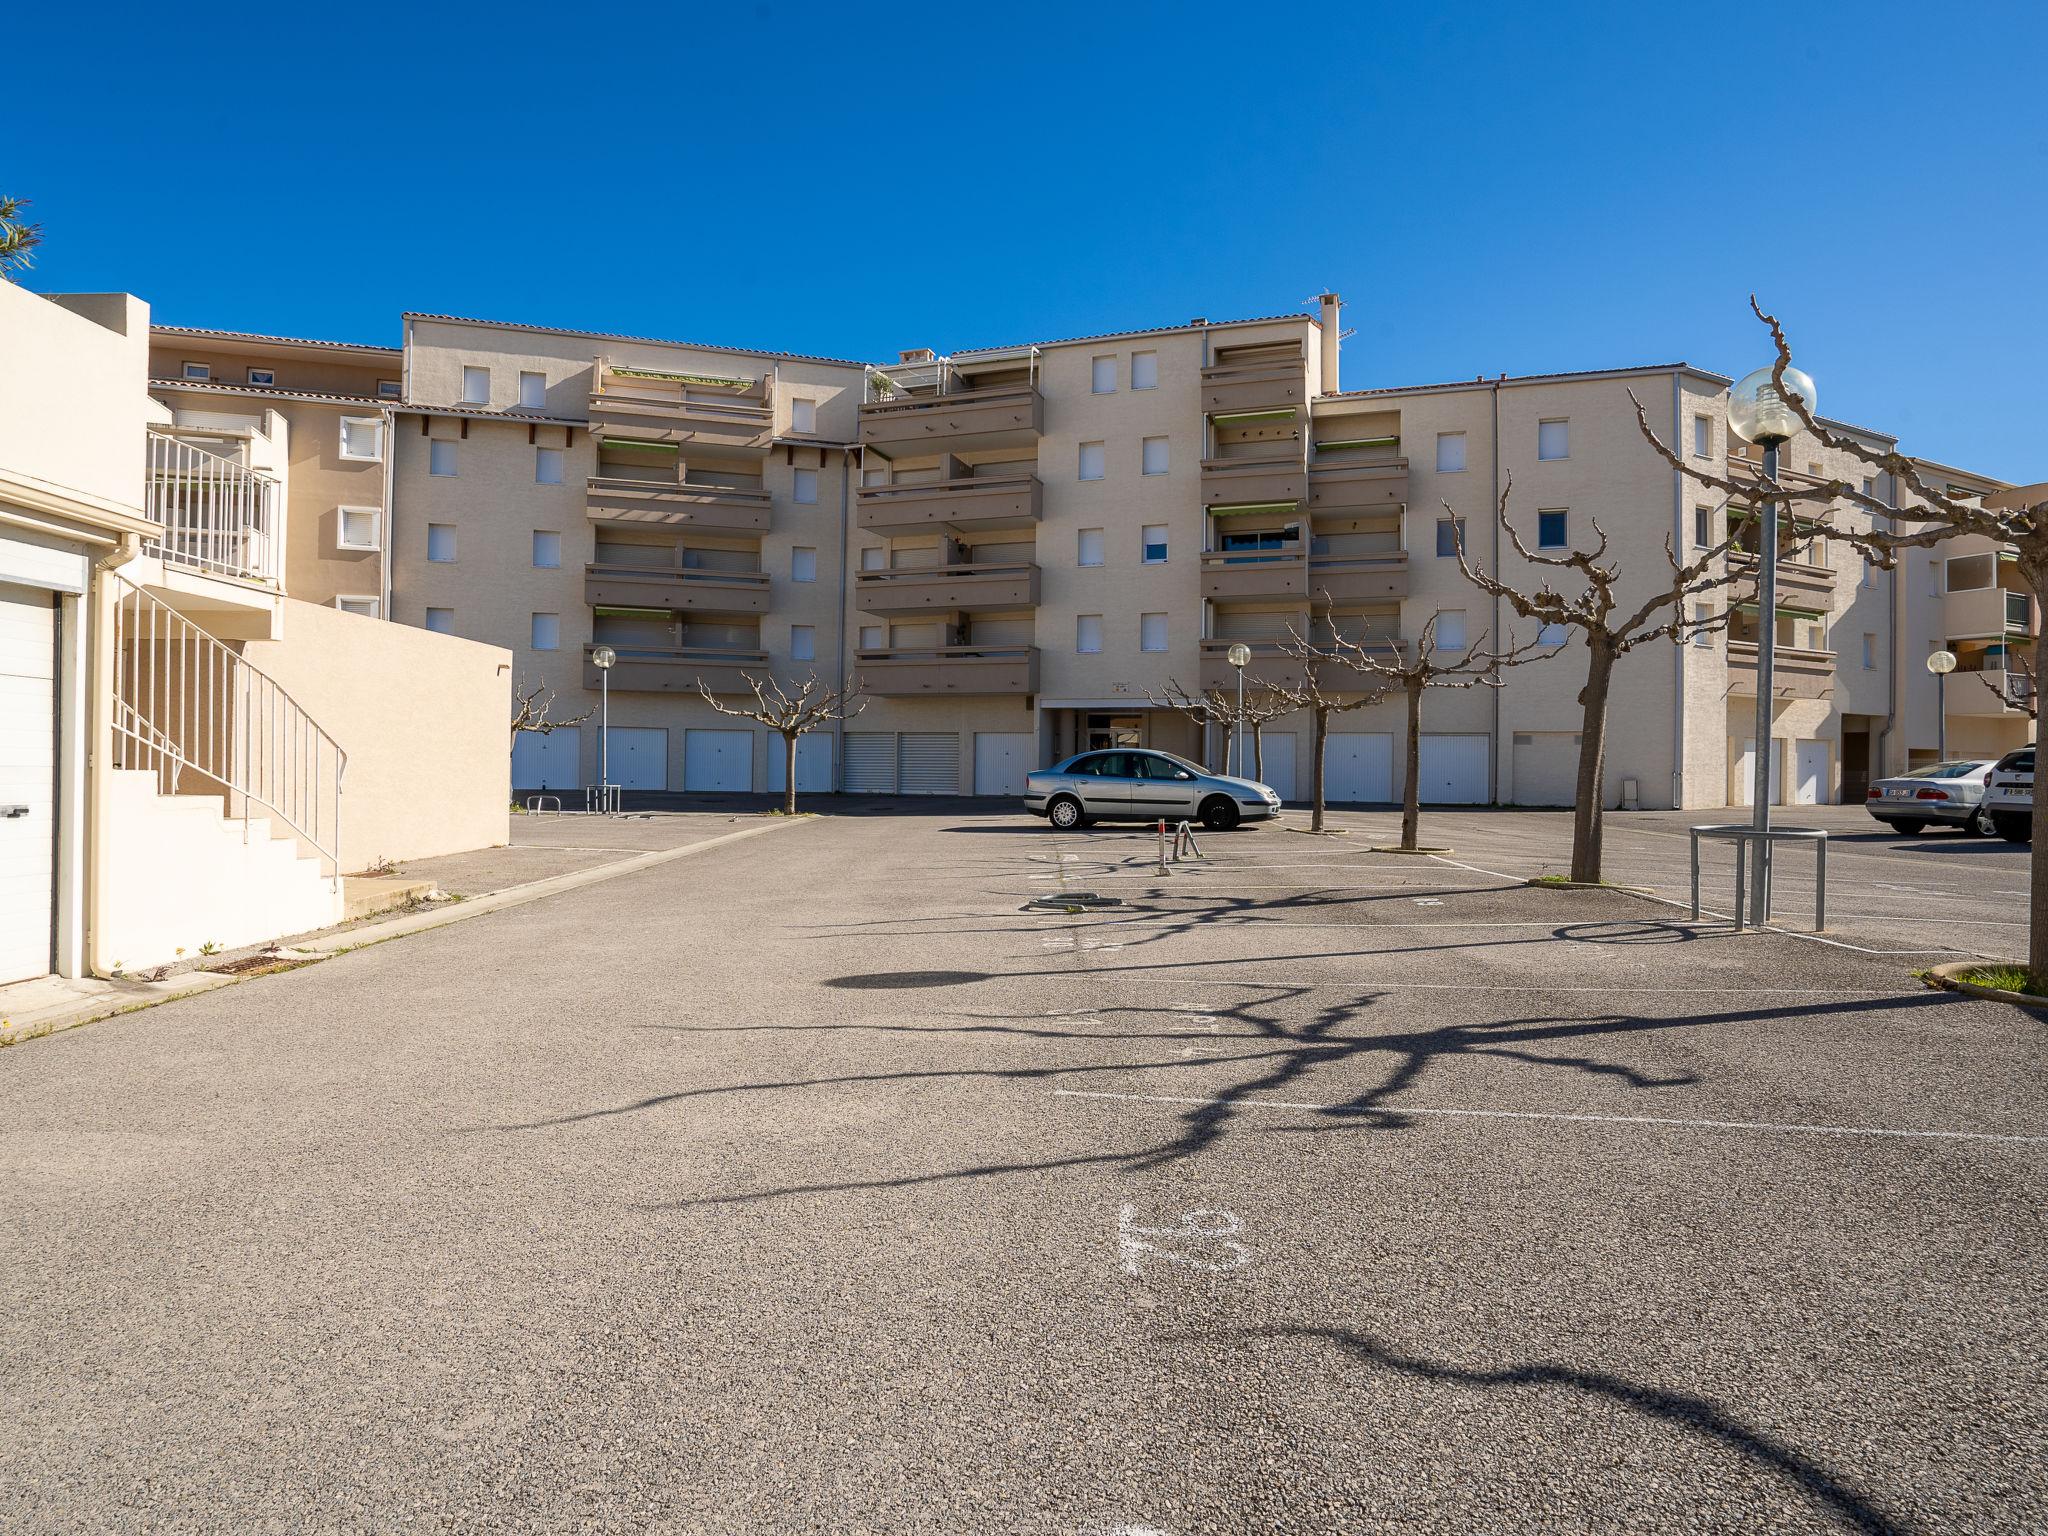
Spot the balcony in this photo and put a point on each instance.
(946, 589)
(1354, 578)
(675, 590)
(641, 405)
(1277, 480)
(1796, 579)
(1989, 691)
(1987, 611)
(949, 669)
(963, 421)
(1270, 663)
(967, 507)
(1249, 383)
(647, 670)
(1351, 490)
(1795, 674)
(1232, 573)
(218, 515)
(673, 504)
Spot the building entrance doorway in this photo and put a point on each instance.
(1105, 731)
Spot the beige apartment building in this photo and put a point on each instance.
(1019, 550)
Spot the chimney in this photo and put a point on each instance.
(1333, 339)
(915, 355)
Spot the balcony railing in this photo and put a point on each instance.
(675, 589)
(1348, 578)
(962, 421)
(1275, 479)
(217, 515)
(1254, 382)
(1987, 611)
(677, 504)
(957, 669)
(676, 669)
(1281, 571)
(1796, 673)
(1337, 490)
(644, 405)
(947, 588)
(974, 505)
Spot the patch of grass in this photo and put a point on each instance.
(2004, 978)
(1551, 880)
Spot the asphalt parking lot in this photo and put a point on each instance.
(935, 1172)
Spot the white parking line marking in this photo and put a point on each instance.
(1528, 1114)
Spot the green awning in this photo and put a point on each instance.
(640, 442)
(1248, 508)
(1357, 442)
(1802, 524)
(1228, 418)
(1783, 611)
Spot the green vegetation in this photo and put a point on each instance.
(2003, 978)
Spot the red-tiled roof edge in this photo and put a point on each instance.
(659, 341)
(1150, 330)
(295, 341)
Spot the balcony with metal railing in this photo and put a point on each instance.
(948, 669)
(641, 406)
(218, 515)
(675, 589)
(983, 587)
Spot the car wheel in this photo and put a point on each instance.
(1065, 813)
(2014, 829)
(1980, 824)
(1219, 814)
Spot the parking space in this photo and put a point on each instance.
(540, 846)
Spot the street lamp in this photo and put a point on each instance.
(603, 658)
(1941, 663)
(1239, 656)
(1758, 413)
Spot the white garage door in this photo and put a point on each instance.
(1809, 772)
(550, 760)
(870, 763)
(1745, 773)
(1358, 766)
(638, 756)
(1001, 759)
(1452, 771)
(813, 764)
(1546, 768)
(720, 762)
(28, 745)
(928, 762)
(1275, 758)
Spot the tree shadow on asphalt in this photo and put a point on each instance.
(1694, 1415)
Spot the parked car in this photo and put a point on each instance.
(1130, 785)
(2009, 796)
(1947, 794)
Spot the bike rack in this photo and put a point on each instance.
(601, 799)
(538, 804)
(1742, 837)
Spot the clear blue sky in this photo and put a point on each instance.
(1492, 187)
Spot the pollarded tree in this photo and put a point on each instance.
(1311, 695)
(534, 711)
(1595, 611)
(791, 716)
(1263, 702)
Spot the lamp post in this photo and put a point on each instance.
(1239, 656)
(1941, 663)
(603, 659)
(1757, 413)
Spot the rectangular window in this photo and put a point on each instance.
(1550, 530)
(366, 606)
(547, 632)
(1151, 631)
(1870, 653)
(1702, 527)
(1550, 634)
(1869, 572)
(1155, 543)
(871, 637)
(441, 456)
(362, 438)
(1554, 439)
(1092, 460)
(441, 542)
(874, 558)
(441, 620)
(1153, 461)
(1450, 453)
(803, 415)
(1450, 537)
(533, 391)
(803, 642)
(199, 373)
(387, 389)
(1144, 370)
(265, 376)
(547, 466)
(806, 488)
(1102, 376)
(547, 550)
(476, 386)
(1702, 437)
(1702, 614)
(1450, 629)
(359, 528)
(803, 564)
(1091, 547)
(1088, 634)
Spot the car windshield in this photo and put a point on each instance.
(1958, 770)
(1180, 762)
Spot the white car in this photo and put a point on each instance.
(2009, 800)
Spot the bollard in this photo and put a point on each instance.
(1162, 847)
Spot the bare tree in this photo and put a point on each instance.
(18, 239)
(533, 711)
(1263, 702)
(2017, 688)
(1320, 702)
(1610, 634)
(790, 716)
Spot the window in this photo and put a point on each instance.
(366, 606)
(1450, 629)
(1554, 439)
(1091, 546)
(1870, 653)
(806, 488)
(803, 415)
(1450, 536)
(1702, 527)
(476, 386)
(547, 550)
(1550, 530)
(1153, 461)
(441, 456)
(265, 376)
(803, 564)
(362, 438)
(199, 373)
(547, 466)
(871, 638)
(1869, 572)
(1547, 634)
(1151, 631)
(1102, 376)
(1091, 461)
(547, 632)
(1702, 437)
(1144, 370)
(874, 558)
(1450, 453)
(441, 620)
(1155, 543)
(358, 528)
(803, 642)
(441, 542)
(1702, 615)
(1088, 634)
(387, 389)
(533, 391)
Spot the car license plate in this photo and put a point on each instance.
(1895, 793)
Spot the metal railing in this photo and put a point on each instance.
(217, 515)
(187, 705)
(1742, 838)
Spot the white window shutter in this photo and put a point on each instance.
(1154, 462)
(1102, 376)
(1091, 461)
(1450, 630)
(1450, 453)
(1088, 633)
(1152, 632)
(533, 391)
(1091, 546)
(1144, 370)
(1553, 439)
(476, 386)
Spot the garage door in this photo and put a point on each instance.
(1809, 772)
(813, 764)
(550, 760)
(1358, 767)
(1453, 770)
(718, 762)
(1745, 772)
(1001, 759)
(928, 762)
(638, 756)
(28, 746)
(870, 763)
(1275, 758)
(1546, 768)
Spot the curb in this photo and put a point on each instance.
(1416, 852)
(1946, 978)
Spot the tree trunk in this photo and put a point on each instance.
(1589, 823)
(789, 742)
(1411, 791)
(2037, 862)
(1319, 725)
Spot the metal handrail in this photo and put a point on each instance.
(677, 573)
(915, 573)
(1742, 836)
(217, 514)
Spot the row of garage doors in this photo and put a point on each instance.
(713, 760)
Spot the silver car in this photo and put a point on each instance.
(1127, 784)
(1947, 794)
